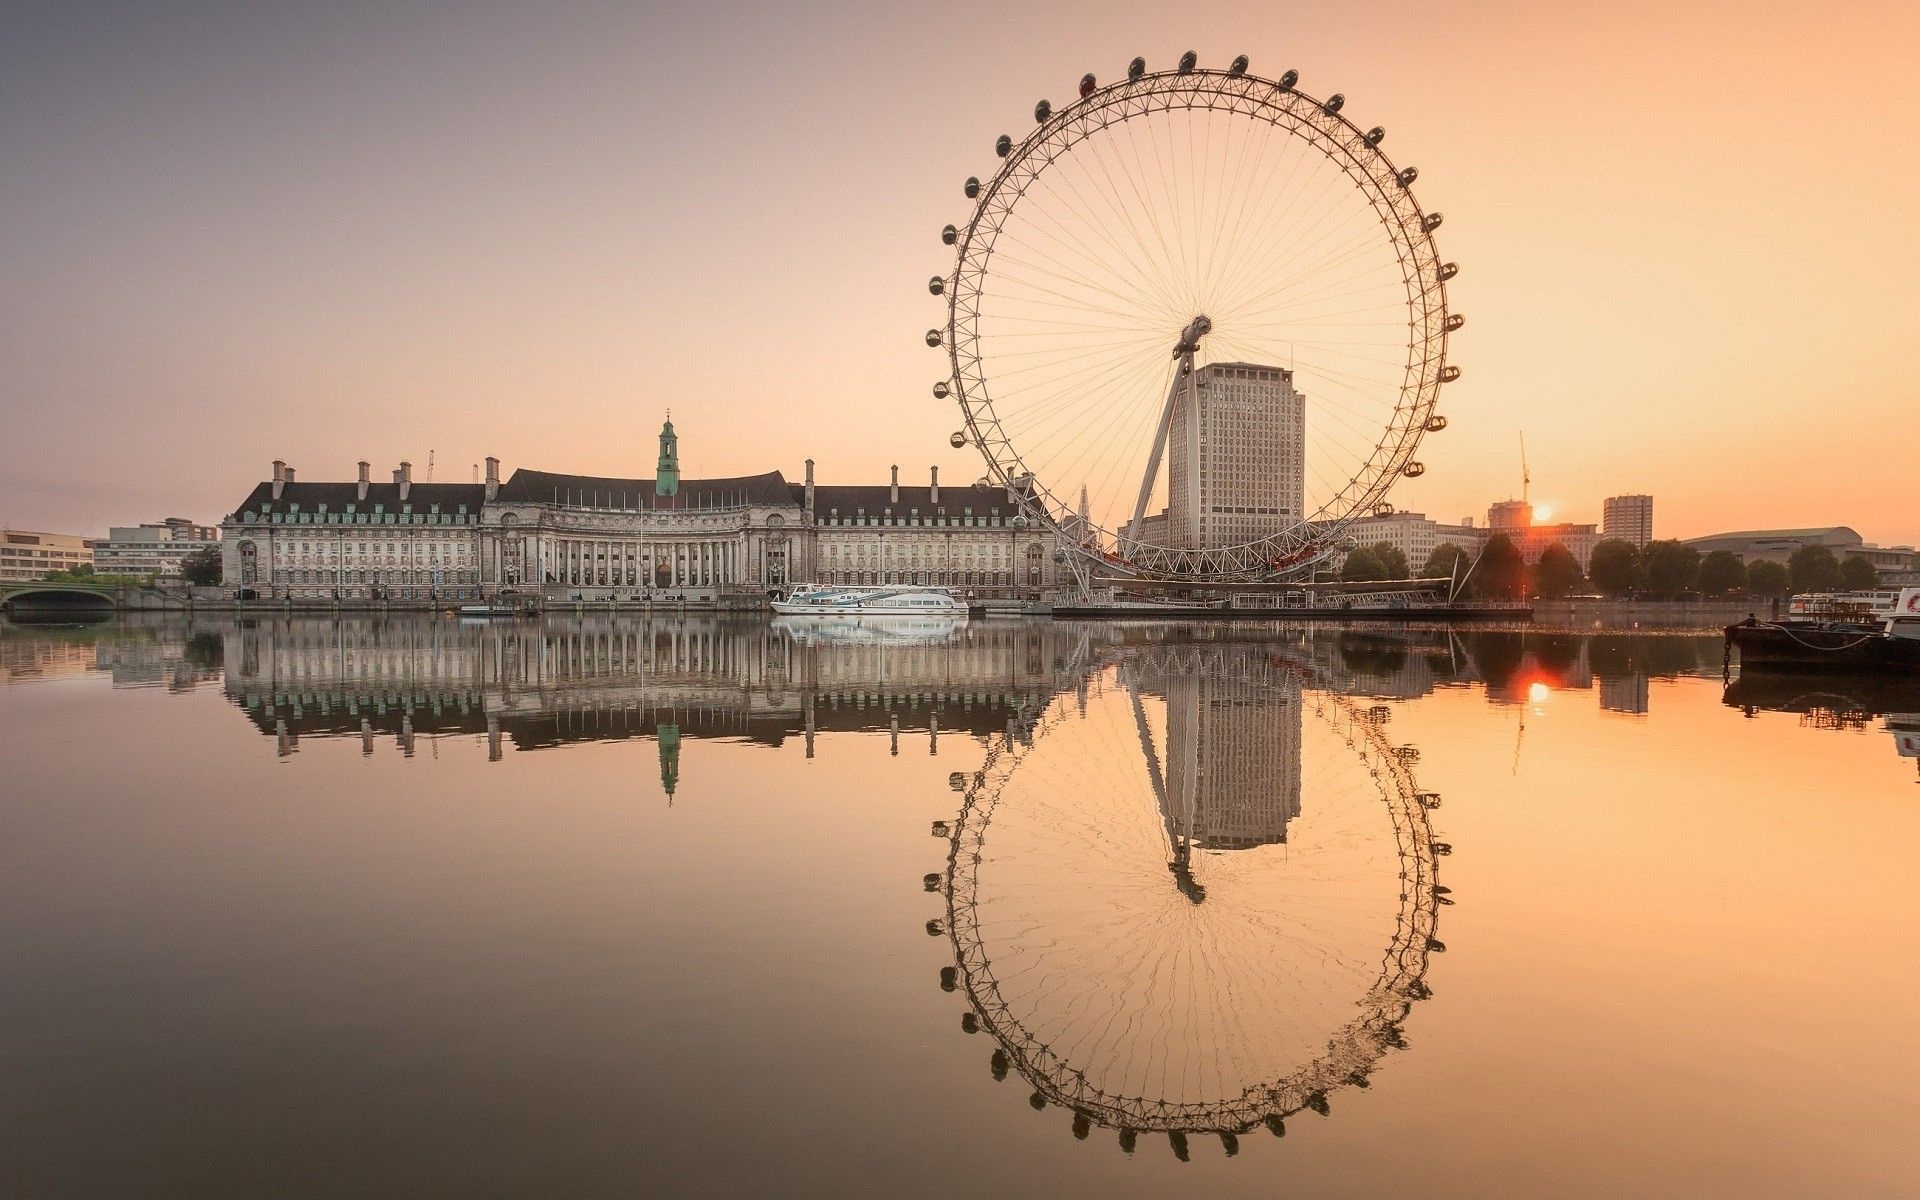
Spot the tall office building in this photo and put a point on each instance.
(1629, 518)
(1236, 456)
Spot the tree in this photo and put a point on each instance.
(1722, 572)
(1858, 573)
(1392, 561)
(1447, 561)
(1362, 566)
(1767, 578)
(1669, 568)
(1558, 573)
(201, 568)
(1614, 566)
(1502, 572)
(1813, 568)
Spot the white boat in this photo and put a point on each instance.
(916, 630)
(818, 600)
(486, 610)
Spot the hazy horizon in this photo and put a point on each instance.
(357, 232)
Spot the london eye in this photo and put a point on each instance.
(1198, 896)
(1197, 321)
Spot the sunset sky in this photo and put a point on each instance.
(322, 233)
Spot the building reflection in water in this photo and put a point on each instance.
(1846, 702)
(1196, 892)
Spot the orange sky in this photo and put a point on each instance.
(1683, 230)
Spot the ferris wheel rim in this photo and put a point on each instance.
(1357, 154)
(1368, 1036)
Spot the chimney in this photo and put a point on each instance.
(493, 477)
(289, 474)
(893, 494)
(935, 498)
(366, 478)
(809, 491)
(404, 477)
(279, 477)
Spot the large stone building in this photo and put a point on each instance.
(597, 538)
(157, 549)
(27, 555)
(1416, 536)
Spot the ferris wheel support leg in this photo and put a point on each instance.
(1159, 445)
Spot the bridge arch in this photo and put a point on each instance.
(42, 597)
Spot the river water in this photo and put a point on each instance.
(605, 906)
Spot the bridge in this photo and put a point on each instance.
(57, 597)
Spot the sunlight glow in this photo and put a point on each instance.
(1537, 692)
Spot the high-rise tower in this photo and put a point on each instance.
(1236, 469)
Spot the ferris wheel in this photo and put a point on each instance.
(1196, 322)
(1158, 945)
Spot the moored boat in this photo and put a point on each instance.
(1891, 643)
(816, 600)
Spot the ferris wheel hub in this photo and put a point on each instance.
(1191, 335)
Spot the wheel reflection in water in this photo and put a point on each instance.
(1196, 895)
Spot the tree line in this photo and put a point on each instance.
(1662, 570)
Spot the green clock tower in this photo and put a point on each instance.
(666, 479)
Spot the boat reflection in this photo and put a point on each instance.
(1194, 892)
(1851, 701)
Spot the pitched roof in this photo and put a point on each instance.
(875, 500)
(1796, 535)
(549, 487)
(309, 497)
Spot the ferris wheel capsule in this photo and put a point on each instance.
(1041, 112)
(1087, 85)
(1408, 175)
(1449, 374)
(1333, 104)
(1376, 135)
(1188, 61)
(1003, 146)
(971, 187)
(1239, 66)
(1431, 221)
(949, 235)
(1414, 470)
(1288, 80)
(1448, 271)
(1455, 321)
(941, 391)
(957, 439)
(1136, 68)
(1436, 423)
(1383, 510)
(936, 285)
(933, 337)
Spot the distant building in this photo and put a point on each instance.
(1236, 456)
(1416, 535)
(152, 549)
(26, 556)
(1628, 518)
(1779, 545)
(1514, 518)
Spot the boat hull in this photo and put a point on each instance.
(1813, 647)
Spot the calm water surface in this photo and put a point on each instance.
(600, 906)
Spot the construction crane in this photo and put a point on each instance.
(1526, 480)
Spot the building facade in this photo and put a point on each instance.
(1236, 456)
(27, 555)
(1417, 536)
(157, 549)
(1628, 518)
(597, 538)
(1779, 545)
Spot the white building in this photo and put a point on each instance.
(157, 549)
(1628, 518)
(1417, 535)
(614, 539)
(1236, 456)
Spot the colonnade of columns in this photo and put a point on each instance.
(675, 563)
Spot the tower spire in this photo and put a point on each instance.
(666, 480)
